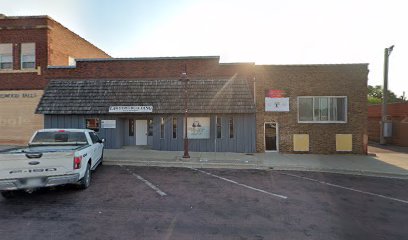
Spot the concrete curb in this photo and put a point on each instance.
(186, 164)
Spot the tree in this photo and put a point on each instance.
(375, 95)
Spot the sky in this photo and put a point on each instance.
(260, 31)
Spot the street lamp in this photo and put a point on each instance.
(387, 53)
(184, 79)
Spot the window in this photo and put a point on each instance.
(174, 127)
(94, 137)
(92, 123)
(59, 137)
(322, 109)
(27, 55)
(6, 56)
(150, 127)
(218, 123)
(231, 127)
(131, 127)
(162, 127)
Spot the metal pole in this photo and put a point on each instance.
(387, 53)
(185, 80)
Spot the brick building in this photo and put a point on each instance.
(244, 107)
(398, 115)
(28, 45)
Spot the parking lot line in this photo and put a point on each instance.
(240, 184)
(346, 188)
(151, 185)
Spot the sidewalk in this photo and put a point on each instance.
(384, 165)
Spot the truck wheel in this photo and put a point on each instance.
(8, 194)
(85, 182)
(101, 161)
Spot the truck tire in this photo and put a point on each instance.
(85, 182)
(101, 160)
(8, 194)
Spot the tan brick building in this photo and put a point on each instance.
(327, 108)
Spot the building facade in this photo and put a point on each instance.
(28, 45)
(232, 107)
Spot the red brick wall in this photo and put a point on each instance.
(43, 31)
(398, 114)
(64, 43)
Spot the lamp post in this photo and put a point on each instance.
(185, 80)
(387, 53)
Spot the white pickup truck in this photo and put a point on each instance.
(52, 157)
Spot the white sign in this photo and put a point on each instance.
(276, 104)
(108, 123)
(130, 109)
(198, 127)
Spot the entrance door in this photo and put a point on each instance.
(271, 136)
(141, 132)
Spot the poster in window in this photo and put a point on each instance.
(276, 104)
(92, 123)
(198, 127)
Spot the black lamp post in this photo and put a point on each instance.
(185, 80)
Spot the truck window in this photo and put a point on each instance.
(60, 137)
(94, 137)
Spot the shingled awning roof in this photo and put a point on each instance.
(166, 96)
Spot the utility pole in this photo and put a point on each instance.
(387, 53)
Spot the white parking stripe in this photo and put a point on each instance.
(347, 188)
(151, 185)
(240, 184)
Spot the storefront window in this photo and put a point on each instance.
(218, 123)
(150, 127)
(231, 127)
(162, 127)
(92, 123)
(174, 127)
(131, 127)
(322, 109)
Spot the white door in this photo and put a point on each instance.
(141, 132)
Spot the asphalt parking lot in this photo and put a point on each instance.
(181, 203)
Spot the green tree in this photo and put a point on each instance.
(375, 95)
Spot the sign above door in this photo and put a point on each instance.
(130, 109)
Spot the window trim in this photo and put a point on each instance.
(313, 97)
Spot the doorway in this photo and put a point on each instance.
(141, 132)
(271, 137)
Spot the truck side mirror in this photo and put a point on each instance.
(101, 140)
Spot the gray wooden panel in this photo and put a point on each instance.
(243, 141)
